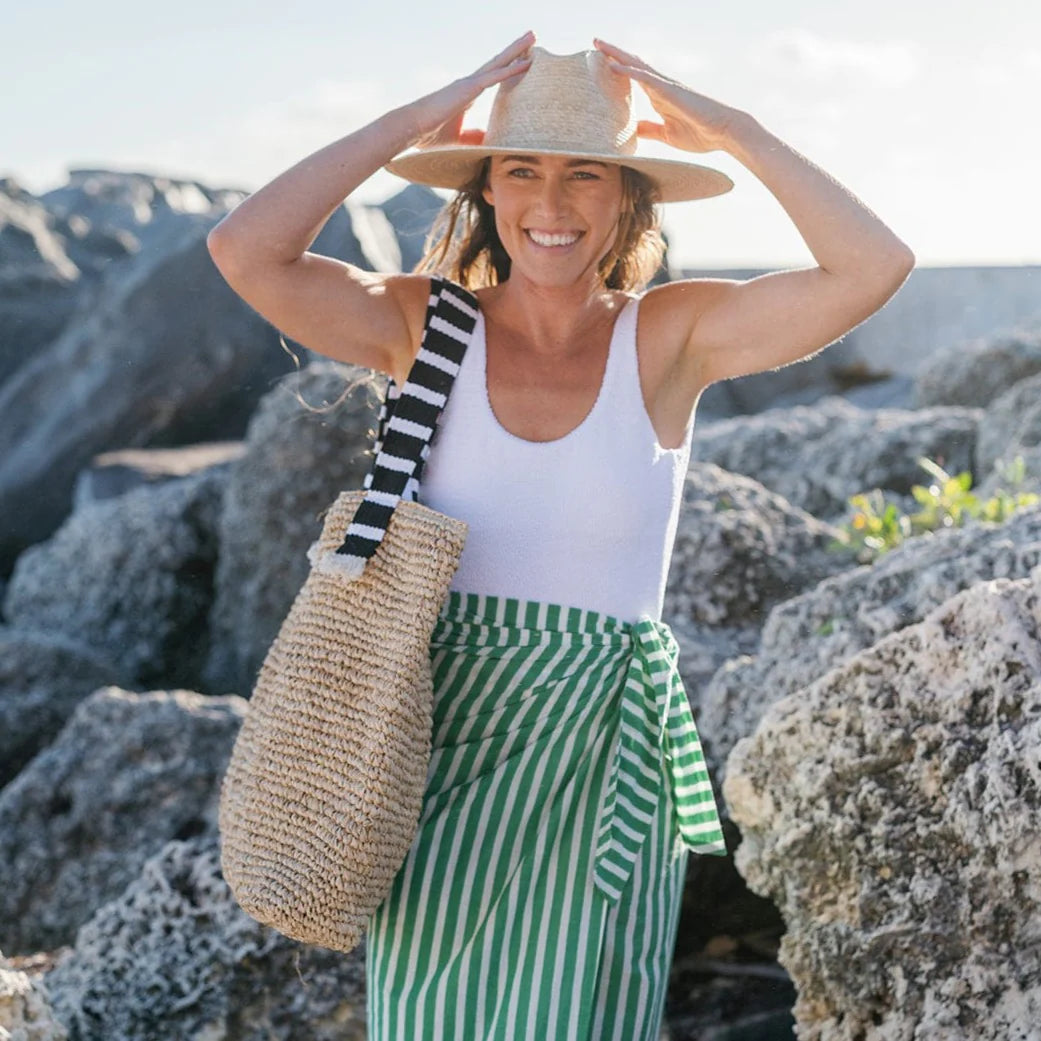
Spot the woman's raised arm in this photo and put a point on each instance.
(737, 328)
(335, 308)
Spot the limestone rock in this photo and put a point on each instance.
(740, 549)
(174, 957)
(1011, 426)
(815, 631)
(977, 373)
(412, 212)
(132, 577)
(164, 355)
(128, 773)
(115, 473)
(296, 463)
(25, 1008)
(817, 457)
(892, 809)
(42, 679)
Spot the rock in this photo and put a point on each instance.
(892, 809)
(740, 549)
(39, 282)
(412, 212)
(818, 457)
(296, 463)
(114, 473)
(822, 627)
(128, 773)
(1011, 427)
(42, 679)
(132, 577)
(25, 1008)
(173, 957)
(976, 373)
(166, 355)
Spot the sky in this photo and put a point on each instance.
(925, 110)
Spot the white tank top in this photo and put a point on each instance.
(587, 520)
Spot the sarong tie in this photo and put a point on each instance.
(656, 736)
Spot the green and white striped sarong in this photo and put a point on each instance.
(541, 895)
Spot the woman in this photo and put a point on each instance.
(540, 897)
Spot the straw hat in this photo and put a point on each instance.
(565, 104)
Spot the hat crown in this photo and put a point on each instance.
(565, 103)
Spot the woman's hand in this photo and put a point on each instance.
(690, 121)
(438, 117)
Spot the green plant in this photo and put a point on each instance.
(876, 525)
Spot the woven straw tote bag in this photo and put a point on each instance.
(322, 794)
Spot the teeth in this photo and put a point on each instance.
(542, 239)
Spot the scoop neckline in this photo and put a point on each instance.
(586, 419)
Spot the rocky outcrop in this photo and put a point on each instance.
(1011, 427)
(128, 773)
(168, 355)
(818, 457)
(740, 549)
(811, 633)
(132, 577)
(412, 212)
(42, 680)
(115, 473)
(25, 1008)
(296, 462)
(892, 809)
(174, 957)
(977, 373)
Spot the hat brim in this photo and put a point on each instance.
(676, 180)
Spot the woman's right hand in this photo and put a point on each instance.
(437, 119)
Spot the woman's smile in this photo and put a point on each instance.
(553, 239)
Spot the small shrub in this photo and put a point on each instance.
(876, 525)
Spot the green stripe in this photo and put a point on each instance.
(495, 929)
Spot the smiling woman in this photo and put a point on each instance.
(540, 896)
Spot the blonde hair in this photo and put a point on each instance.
(464, 245)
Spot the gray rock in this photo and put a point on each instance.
(809, 634)
(740, 549)
(977, 373)
(817, 457)
(892, 809)
(39, 283)
(115, 473)
(412, 212)
(25, 1008)
(167, 355)
(173, 957)
(128, 773)
(1011, 427)
(132, 577)
(42, 679)
(296, 462)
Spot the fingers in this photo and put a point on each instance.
(471, 137)
(517, 49)
(651, 131)
(620, 57)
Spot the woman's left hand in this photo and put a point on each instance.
(690, 121)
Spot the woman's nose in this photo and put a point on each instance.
(552, 197)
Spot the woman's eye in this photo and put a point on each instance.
(520, 171)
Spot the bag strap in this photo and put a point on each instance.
(408, 419)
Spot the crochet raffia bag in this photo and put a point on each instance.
(321, 798)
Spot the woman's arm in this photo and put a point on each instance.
(737, 328)
(335, 308)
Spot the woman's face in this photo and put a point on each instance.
(557, 217)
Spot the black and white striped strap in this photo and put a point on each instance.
(408, 420)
